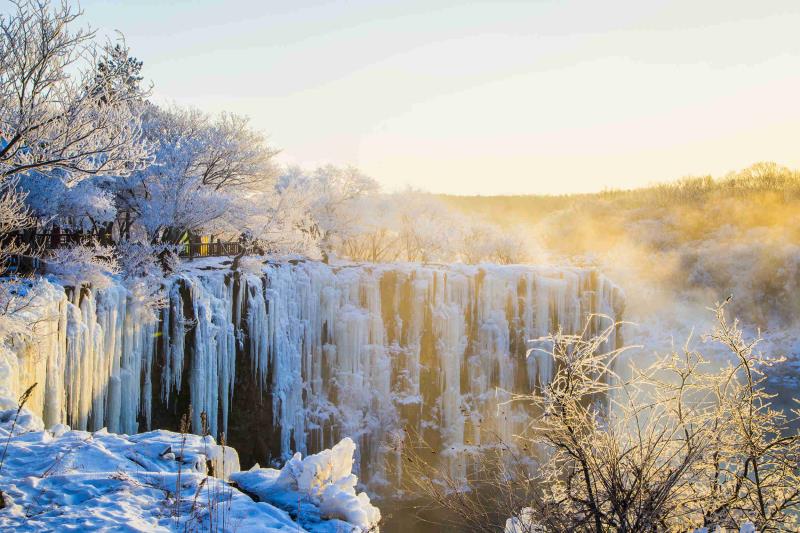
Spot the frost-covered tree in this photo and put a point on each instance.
(375, 236)
(480, 241)
(143, 275)
(203, 167)
(427, 228)
(235, 156)
(68, 111)
(14, 216)
(86, 205)
(331, 196)
(59, 107)
(415, 226)
(119, 74)
(277, 220)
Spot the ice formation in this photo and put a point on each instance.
(305, 354)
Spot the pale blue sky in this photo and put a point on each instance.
(487, 97)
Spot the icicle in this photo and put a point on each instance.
(354, 351)
(174, 329)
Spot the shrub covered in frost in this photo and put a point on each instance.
(675, 445)
(81, 265)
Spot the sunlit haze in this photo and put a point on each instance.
(486, 97)
(437, 265)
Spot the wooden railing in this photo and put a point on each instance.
(47, 241)
(24, 264)
(210, 249)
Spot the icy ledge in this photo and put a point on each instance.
(56, 479)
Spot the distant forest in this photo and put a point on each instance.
(737, 234)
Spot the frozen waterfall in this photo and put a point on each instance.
(303, 354)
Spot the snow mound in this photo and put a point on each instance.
(325, 480)
(17, 422)
(59, 479)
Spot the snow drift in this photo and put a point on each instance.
(61, 479)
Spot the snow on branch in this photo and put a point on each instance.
(62, 105)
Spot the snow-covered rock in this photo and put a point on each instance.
(59, 479)
(324, 479)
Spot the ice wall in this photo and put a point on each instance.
(90, 354)
(303, 354)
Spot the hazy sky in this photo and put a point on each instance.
(487, 97)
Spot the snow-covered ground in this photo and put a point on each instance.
(57, 480)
